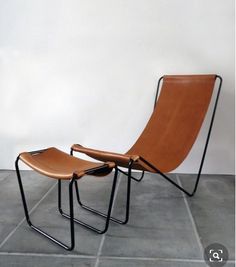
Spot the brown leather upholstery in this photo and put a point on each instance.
(173, 127)
(57, 164)
(119, 159)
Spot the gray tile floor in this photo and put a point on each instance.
(165, 229)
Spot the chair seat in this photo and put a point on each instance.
(59, 165)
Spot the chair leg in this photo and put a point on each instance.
(96, 212)
(190, 194)
(38, 230)
(107, 216)
(139, 179)
(133, 178)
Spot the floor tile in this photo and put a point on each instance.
(159, 224)
(213, 209)
(26, 240)
(10, 200)
(4, 174)
(47, 217)
(43, 261)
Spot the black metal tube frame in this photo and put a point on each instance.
(133, 178)
(107, 216)
(99, 213)
(38, 230)
(70, 216)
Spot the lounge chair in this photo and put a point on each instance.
(179, 111)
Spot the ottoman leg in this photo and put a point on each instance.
(72, 233)
(108, 215)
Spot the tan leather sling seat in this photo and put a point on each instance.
(172, 129)
(59, 165)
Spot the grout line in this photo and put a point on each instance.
(158, 259)
(34, 207)
(29, 254)
(191, 217)
(99, 251)
(5, 177)
(152, 259)
(103, 257)
(92, 257)
(104, 235)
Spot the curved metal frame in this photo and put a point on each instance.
(107, 216)
(38, 230)
(70, 216)
(99, 213)
(133, 178)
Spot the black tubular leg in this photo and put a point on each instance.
(138, 179)
(71, 209)
(208, 135)
(157, 91)
(107, 216)
(96, 212)
(38, 229)
(128, 191)
(22, 192)
(133, 178)
(190, 194)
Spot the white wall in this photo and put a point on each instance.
(83, 71)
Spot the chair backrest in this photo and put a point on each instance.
(176, 120)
